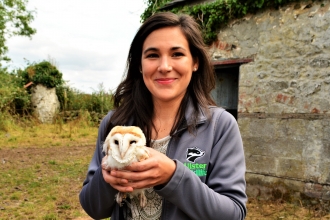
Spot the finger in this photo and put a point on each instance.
(142, 165)
(117, 183)
(113, 180)
(130, 176)
(146, 183)
(123, 188)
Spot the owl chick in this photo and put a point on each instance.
(123, 146)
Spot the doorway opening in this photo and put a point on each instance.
(225, 93)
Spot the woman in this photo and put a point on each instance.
(196, 167)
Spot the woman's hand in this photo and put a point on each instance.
(156, 170)
(115, 182)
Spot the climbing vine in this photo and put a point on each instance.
(212, 16)
(43, 73)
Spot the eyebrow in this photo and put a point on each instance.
(156, 49)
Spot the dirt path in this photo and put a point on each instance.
(30, 155)
(48, 178)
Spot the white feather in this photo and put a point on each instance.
(123, 146)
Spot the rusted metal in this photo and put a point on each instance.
(27, 85)
(231, 61)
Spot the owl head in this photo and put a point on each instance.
(123, 142)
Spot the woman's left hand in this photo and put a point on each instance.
(156, 170)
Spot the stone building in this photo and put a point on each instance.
(273, 74)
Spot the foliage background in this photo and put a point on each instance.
(15, 20)
(15, 104)
(212, 16)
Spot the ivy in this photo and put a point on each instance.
(212, 16)
(42, 73)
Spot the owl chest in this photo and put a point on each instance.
(119, 163)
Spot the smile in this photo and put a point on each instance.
(165, 80)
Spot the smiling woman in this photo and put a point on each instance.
(194, 146)
(167, 64)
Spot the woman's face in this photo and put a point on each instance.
(167, 64)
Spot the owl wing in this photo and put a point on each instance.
(141, 153)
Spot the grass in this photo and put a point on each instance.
(43, 167)
(42, 183)
(46, 135)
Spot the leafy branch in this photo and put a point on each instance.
(15, 20)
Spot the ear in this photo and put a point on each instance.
(196, 64)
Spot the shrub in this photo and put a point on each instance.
(13, 97)
(42, 73)
(72, 99)
(15, 100)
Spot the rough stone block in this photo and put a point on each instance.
(324, 170)
(260, 164)
(45, 103)
(263, 127)
(291, 168)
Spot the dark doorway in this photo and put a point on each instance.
(225, 93)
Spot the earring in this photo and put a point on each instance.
(195, 69)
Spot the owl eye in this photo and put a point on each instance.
(116, 142)
(132, 142)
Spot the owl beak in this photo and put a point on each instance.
(123, 154)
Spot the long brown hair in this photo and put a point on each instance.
(132, 99)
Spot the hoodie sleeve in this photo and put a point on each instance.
(97, 196)
(222, 196)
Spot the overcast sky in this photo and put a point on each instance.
(88, 40)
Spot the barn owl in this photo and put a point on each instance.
(123, 146)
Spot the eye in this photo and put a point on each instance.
(152, 55)
(132, 142)
(178, 54)
(116, 142)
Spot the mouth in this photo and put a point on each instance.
(165, 80)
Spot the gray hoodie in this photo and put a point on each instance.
(209, 180)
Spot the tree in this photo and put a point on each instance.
(15, 20)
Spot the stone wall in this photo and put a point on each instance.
(284, 98)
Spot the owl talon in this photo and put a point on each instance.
(120, 197)
(143, 200)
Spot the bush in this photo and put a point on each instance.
(73, 99)
(13, 97)
(42, 73)
(15, 100)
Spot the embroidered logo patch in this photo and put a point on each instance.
(194, 153)
(200, 169)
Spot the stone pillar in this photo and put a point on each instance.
(45, 103)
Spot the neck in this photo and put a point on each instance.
(164, 111)
(164, 118)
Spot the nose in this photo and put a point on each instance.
(164, 65)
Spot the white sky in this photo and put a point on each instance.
(88, 40)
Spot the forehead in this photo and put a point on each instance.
(172, 36)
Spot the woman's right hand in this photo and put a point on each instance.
(115, 182)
